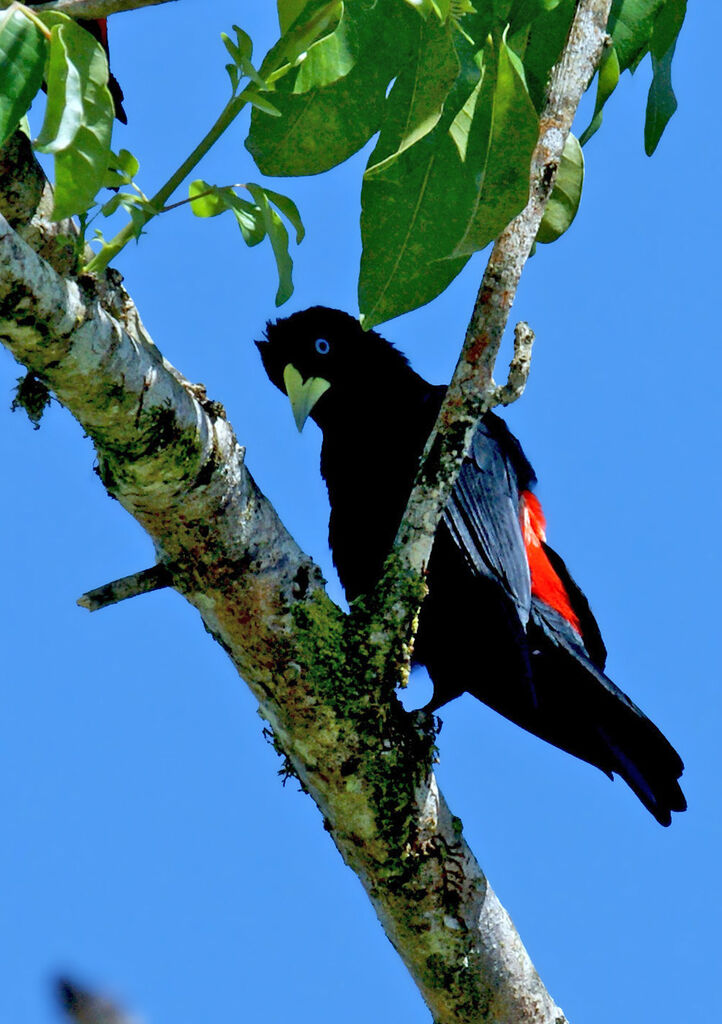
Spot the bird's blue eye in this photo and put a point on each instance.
(322, 346)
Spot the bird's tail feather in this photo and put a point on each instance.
(584, 712)
(647, 762)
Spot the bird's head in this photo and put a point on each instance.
(323, 360)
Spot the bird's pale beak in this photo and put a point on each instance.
(302, 394)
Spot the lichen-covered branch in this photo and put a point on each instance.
(519, 367)
(472, 390)
(143, 582)
(169, 455)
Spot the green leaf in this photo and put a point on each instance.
(318, 129)
(79, 116)
(324, 126)
(240, 53)
(128, 163)
(250, 220)
(288, 12)
(254, 221)
(523, 12)
(450, 193)
(278, 237)
(438, 8)
(243, 42)
(261, 101)
(138, 210)
(124, 165)
(64, 110)
(207, 200)
(318, 19)
(409, 227)
(630, 26)
(330, 58)
(113, 179)
(501, 135)
(607, 80)
(410, 206)
(22, 60)
(661, 102)
(443, 10)
(546, 38)
(250, 72)
(502, 9)
(566, 195)
(235, 76)
(109, 208)
(639, 26)
(667, 27)
(210, 200)
(290, 211)
(418, 95)
(233, 50)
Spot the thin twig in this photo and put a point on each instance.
(143, 582)
(519, 368)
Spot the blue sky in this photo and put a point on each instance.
(150, 850)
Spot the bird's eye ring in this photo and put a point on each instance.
(322, 346)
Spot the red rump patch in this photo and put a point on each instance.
(545, 584)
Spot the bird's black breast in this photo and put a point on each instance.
(369, 472)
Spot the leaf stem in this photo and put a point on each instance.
(32, 16)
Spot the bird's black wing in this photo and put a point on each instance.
(593, 643)
(482, 515)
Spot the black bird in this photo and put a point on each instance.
(495, 586)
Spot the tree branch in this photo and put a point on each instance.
(171, 458)
(519, 368)
(143, 582)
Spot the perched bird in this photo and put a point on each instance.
(503, 619)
